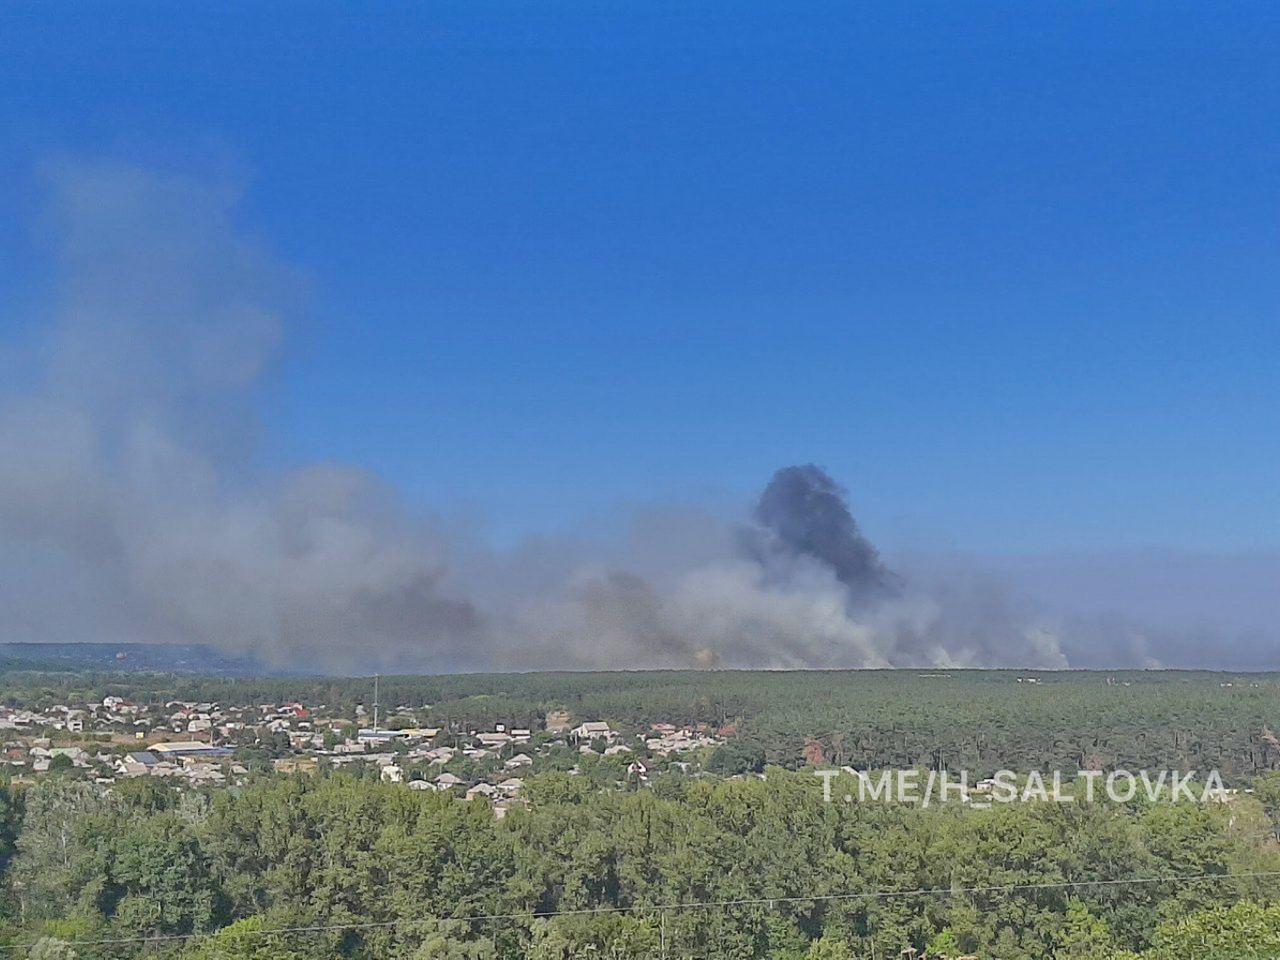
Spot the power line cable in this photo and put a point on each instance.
(690, 905)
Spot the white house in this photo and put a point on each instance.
(592, 729)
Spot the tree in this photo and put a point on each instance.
(51, 948)
(734, 758)
(249, 939)
(61, 858)
(450, 941)
(161, 878)
(1266, 789)
(830, 948)
(1083, 936)
(1246, 931)
(945, 944)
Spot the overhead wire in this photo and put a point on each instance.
(677, 906)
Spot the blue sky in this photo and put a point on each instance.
(1008, 272)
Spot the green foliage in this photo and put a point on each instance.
(615, 936)
(398, 873)
(248, 939)
(946, 943)
(10, 819)
(51, 948)
(59, 868)
(451, 940)
(1267, 791)
(336, 850)
(1083, 935)
(829, 948)
(1246, 931)
(736, 757)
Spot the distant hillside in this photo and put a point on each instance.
(130, 658)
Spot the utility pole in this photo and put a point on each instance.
(375, 703)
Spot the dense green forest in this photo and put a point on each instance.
(744, 860)
(764, 869)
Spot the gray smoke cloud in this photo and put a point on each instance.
(799, 586)
(138, 501)
(126, 470)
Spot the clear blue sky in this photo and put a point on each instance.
(1009, 271)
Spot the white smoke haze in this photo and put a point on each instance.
(128, 470)
(134, 506)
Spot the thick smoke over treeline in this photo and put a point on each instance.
(129, 503)
(137, 503)
(803, 513)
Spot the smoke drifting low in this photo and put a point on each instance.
(135, 505)
(129, 504)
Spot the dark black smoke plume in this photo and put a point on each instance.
(805, 512)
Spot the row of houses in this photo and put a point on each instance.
(195, 742)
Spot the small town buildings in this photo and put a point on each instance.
(189, 748)
(591, 730)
